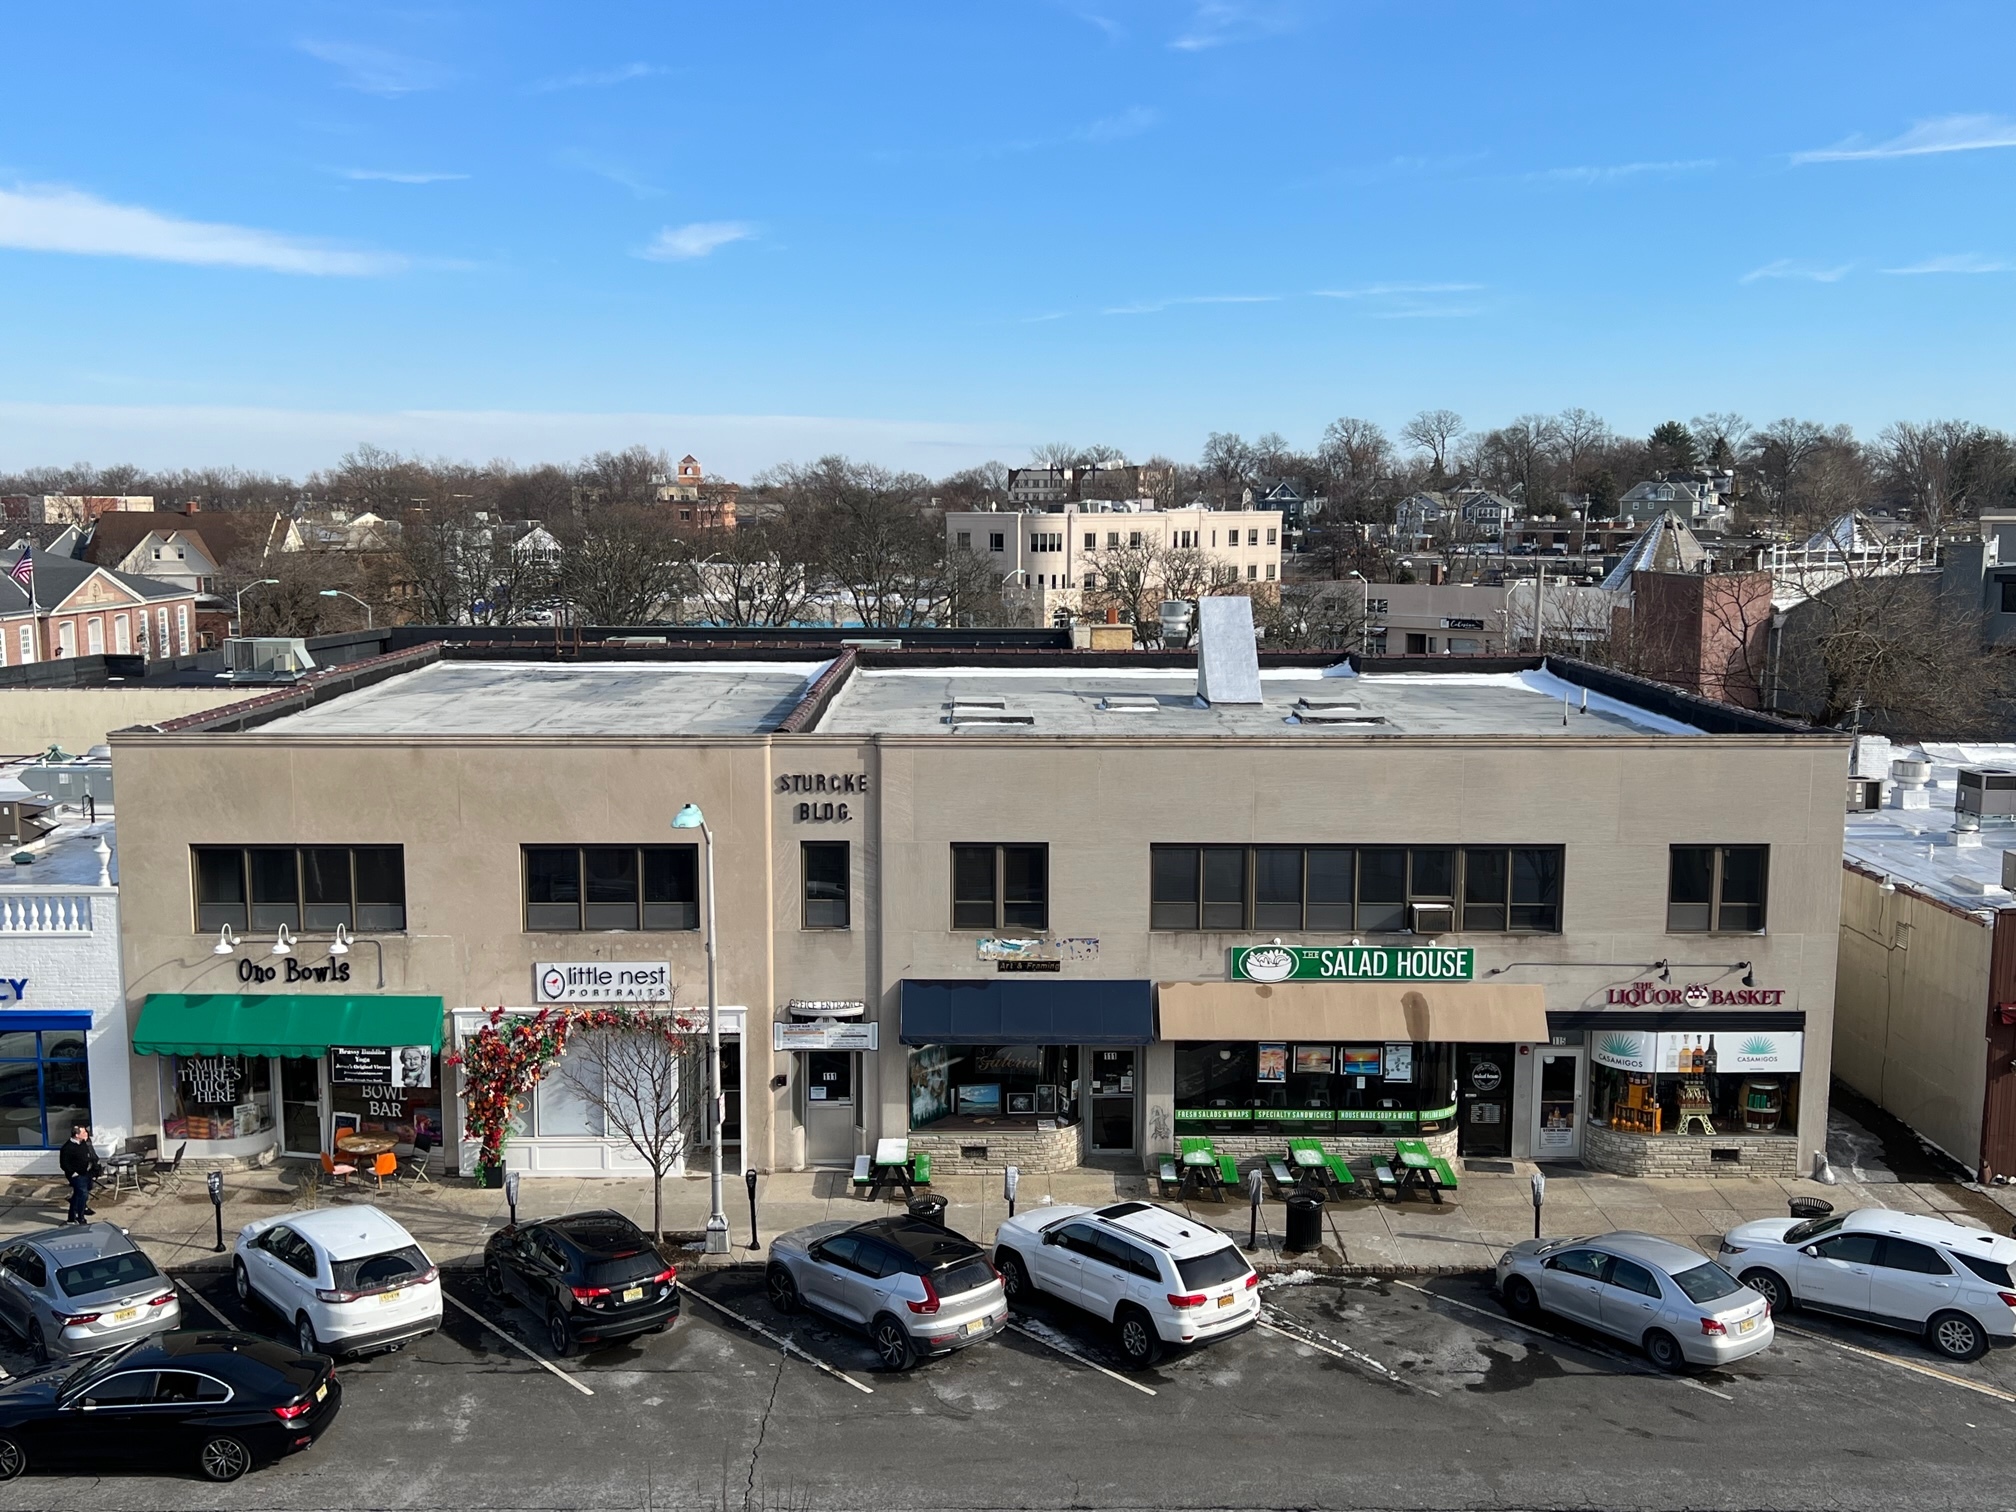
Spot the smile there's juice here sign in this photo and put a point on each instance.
(1353, 963)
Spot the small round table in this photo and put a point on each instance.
(366, 1145)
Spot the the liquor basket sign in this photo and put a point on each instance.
(1353, 963)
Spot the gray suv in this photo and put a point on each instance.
(75, 1291)
(913, 1287)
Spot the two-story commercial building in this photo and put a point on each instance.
(1031, 907)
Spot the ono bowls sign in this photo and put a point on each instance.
(1353, 963)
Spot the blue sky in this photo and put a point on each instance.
(935, 233)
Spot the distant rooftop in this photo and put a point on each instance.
(530, 698)
(1319, 702)
(1915, 848)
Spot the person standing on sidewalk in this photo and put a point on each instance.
(80, 1166)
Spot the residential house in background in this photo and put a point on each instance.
(193, 551)
(79, 609)
(1699, 498)
(69, 509)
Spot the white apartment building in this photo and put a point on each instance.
(1055, 554)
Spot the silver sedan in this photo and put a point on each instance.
(1659, 1296)
(78, 1290)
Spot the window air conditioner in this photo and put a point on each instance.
(1432, 918)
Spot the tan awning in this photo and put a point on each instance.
(1474, 1011)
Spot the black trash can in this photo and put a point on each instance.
(930, 1208)
(1305, 1221)
(1809, 1207)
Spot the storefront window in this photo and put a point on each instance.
(45, 1089)
(1695, 1083)
(975, 1086)
(379, 1089)
(1373, 1088)
(218, 1097)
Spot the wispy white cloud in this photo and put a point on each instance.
(696, 239)
(1156, 306)
(1130, 122)
(52, 218)
(1612, 173)
(1962, 262)
(1785, 267)
(1215, 23)
(395, 176)
(1953, 133)
(595, 78)
(619, 174)
(375, 70)
(1390, 290)
(1114, 31)
(1408, 301)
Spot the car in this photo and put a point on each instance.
(1158, 1276)
(1952, 1284)
(78, 1290)
(1680, 1308)
(347, 1280)
(218, 1403)
(592, 1278)
(914, 1287)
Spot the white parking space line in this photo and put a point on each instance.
(1902, 1364)
(1337, 1347)
(535, 1358)
(781, 1342)
(204, 1303)
(1072, 1354)
(1597, 1350)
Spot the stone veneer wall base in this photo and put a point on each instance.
(1689, 1154)
(1026, 1149)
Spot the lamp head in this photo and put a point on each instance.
(1749, 976)
(689, 817)
(283, 942)
(341, 944)
(227, 942)
(1665, 971)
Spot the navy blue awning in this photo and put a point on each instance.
(1018, 1011)
(44, 1018)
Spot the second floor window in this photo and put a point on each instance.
(1717, 889)
(1341, 888)
(576, 887)
(825, 865)
(1000, 886)
(311, 887)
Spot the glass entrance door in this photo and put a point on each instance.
(1484, 1100)
(301, 1119)
(1112, 1110)
(1557, 1111)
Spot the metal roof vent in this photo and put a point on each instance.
(1129, 703)
(1228, 660)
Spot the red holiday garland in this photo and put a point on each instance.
(512, 1052)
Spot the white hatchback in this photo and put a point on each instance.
(347, 1280)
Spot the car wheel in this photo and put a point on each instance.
(493, 1279)
(559, 1338)
(241, 1282)
(224, 1458)
(38, 1346)
(1139, 1341)
(1014, 1276)
(783, 1290)
(13, 1458)
(1520, 1298)
(304, 1335)
(1663, 1350)
(892, 1343)
(1771, 1287)
(1956, 1336)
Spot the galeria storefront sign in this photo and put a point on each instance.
(1740, 1052)
(1353, 963)
(602, 981)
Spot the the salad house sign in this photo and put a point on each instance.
(1353, 963)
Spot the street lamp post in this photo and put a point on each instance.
(339, 593)
(238, 612)
(688, 818)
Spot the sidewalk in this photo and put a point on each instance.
(451, 1217)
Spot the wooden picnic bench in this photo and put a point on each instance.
(892, 1164)
(1317, 1166)
(1421, 1168)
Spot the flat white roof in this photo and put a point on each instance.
(1916, 847)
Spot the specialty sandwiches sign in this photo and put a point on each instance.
(1353, 963)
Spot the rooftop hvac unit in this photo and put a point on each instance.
(1864, 797)
(1986, 793)
(264, 658)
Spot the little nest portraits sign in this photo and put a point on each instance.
(1353, 963)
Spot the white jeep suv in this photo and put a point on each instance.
(1159, 1276)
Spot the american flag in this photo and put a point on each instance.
(23, 571)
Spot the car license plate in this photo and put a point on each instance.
(976, 1325)
(1746, 1325)
(634, 1294)
(322, 1392)
(1226, 1301)
(126, 1315)
(391, 1296)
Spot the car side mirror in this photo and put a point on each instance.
(1051, 1238)
(1552, 1263)
(1811, 1251)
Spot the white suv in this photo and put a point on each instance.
(1951, 1283)
(1157, 1275)
(346, 1280)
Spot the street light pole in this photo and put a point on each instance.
(238, 613)
(690, 817)
(339, 593)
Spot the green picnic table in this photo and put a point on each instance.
(1200, 1163)
(1313, 1165)
(1418, 1166)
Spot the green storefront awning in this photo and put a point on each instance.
(281, 1023)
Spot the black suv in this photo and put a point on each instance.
(593, 1277)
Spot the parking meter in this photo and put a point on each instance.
(1539, 1197)
(511, 1195)
(749, 1179)
(217, 1205)
(1011, 1178)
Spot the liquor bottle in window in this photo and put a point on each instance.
(1708, 1058)
(1694, 1057)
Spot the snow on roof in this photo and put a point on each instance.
(1915, 847)
(1666, 545)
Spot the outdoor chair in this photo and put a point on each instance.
(169, 1177)
(385, 1165)
(339, 1174)
(416, 1163)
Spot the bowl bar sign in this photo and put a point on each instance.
(1353, 963)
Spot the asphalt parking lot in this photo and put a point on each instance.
(1362, 1393)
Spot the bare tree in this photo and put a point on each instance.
(1054, 454)
(1435, 432)
(631, 476)
(1580, 438)
(1311, 616)
(755, 574)
(1519, 457)
(1719, 436)
(649, 1084)
(620, 564)
(1943, 469)
(1358, 468)
(1226, 464)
